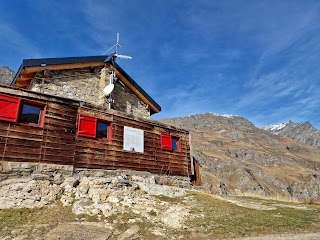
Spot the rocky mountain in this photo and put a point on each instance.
(302, 132)
(237, 158)
(6, 75)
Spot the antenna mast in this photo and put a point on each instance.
(107, 91)
(117, 45)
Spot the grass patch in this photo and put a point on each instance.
(15, 218)
(280, 198)
(221, 219)
(167, 199)
(213, 219)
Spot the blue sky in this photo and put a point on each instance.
(257, 59)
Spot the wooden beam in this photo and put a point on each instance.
(31, 75)
(34, 69)
(22, 82)
(23, 78)
(136, 91)
(21, 85)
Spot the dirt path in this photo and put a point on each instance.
(260, 205)
(297, 236)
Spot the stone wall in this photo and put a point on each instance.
(126, 101)
(86, 85)
(25, 169)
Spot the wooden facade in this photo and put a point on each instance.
(196, 174)
(58, 141)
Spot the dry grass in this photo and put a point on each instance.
(221, 219)
(211, 219)
(281, 198)
(16, 218)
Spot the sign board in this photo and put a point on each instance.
(133, 139)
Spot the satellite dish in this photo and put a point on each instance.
(108, 89)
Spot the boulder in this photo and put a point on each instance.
(158, 190)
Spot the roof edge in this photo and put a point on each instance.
(69, 60)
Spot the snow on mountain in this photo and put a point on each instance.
(216, 114)
(275, 128)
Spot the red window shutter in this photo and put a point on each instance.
(87, 126)
(9, 108)
(179, 145)
(166, 142)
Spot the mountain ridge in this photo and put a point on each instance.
(6, 75)
(303, 132)
(239, 159)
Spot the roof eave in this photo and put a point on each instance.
(46, 62)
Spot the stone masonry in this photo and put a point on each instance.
(86, 85)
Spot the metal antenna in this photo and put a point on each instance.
(113, 57)
(116, 45)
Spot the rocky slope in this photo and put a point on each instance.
(53, 202)
(238, 158)
(302, 132)
(6, 75)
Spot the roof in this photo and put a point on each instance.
(30, 67)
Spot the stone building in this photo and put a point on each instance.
(57, 112)
(84, 78)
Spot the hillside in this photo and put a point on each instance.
(6, 75)
(302, 132)
(43, 201)
(238, 158)
(49, 205)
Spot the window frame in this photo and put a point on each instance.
(94, 122)
(41, 114)
(178, 143)
(109, 129)
(17, 110)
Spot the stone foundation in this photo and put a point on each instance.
(49, 171)
(96, 193)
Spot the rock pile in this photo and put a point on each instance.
(96, 196)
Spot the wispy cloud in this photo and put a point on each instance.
(14, 43)
(258, 59)
(284, 83)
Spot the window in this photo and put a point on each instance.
(175, 144)
(170, 143)
(18, 110)
(94, 128)
(30, 114)
(102, 129)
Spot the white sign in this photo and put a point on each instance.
(133, 139)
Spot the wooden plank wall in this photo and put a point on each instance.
(59, 134)
(55, 143)
(94, 153)
(196, 178)
(58, 142)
